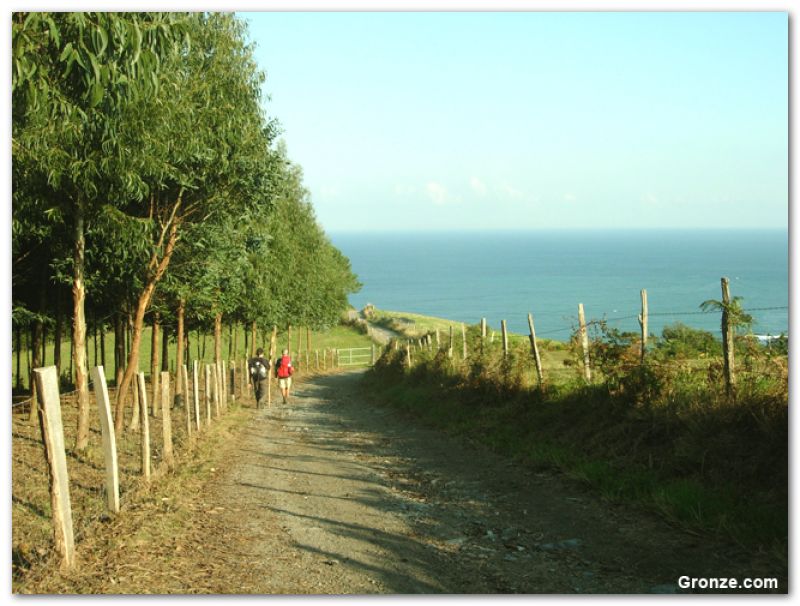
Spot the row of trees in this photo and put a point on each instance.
(147, 176)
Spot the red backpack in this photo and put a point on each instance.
(285, 367)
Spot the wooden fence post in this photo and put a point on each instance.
(143, 411)
(187, 405)
(196, 394)
(438, 343)
(156, 385)
(408, 355)
(643, 323)
(464, 340)
(587, 371)
(450, 346)
(727, 340)
(166, 420)
(483, 328)
(535, 351)
(505, 337)
(55, 453)
(109, 438)
(215, 381)
(232, 380)
(207, 393)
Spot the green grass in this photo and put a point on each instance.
(703, 467)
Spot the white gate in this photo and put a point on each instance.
(354, 356)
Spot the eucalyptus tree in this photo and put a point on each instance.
(73, 77)
(209, 144)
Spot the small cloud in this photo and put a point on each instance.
(438, 194)
(650, 198)
(477, 186)
(511, 191)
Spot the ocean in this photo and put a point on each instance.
(506, 275)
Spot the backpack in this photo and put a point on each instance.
(284, 367)
(258, 370)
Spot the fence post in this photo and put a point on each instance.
(643, 322)
(243, 387)
(154, 379)
(438, 343)
(215, 380)
(587, 371)
(505, 337)
(187, 405)
(232, 380)
(54, 450)
(196, 394)
(450, 346)
(535, 351)
(166, 419)
(464, 339)
(727, 339)
(372, 354)
(408, 355)
(108, 436)
(207, 392)
(145, 426)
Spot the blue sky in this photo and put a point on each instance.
(439, 121)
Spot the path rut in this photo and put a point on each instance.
(339, 496)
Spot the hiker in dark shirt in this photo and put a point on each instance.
(259, 375)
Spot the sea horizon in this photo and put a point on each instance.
(465, 275)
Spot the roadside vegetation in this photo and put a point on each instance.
(661, 434)
(150, 189)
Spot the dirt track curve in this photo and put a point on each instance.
(343, 497)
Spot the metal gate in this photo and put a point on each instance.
(354, 356)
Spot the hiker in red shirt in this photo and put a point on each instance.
(284, 371)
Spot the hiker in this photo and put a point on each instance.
(284, 371)
(259, 374)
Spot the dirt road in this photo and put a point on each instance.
(334, 494)
(345, 497)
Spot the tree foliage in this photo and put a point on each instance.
(146, 172)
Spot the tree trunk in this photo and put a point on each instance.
(19, 357)
(154, 376)
(156, 268)
(129, 333)
(218, 338)
(133, 359)
(235, 340)
(44, 343)
(79, 330)
(36, 362)
(179, 348)
(103, 345)
(57, 334)
(94, 334)
(119, 346)
(165, 349)
(230, 341)
(253, 340)
(246, 349)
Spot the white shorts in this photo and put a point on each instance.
(285, 382)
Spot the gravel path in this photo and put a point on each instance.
(334, 495)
